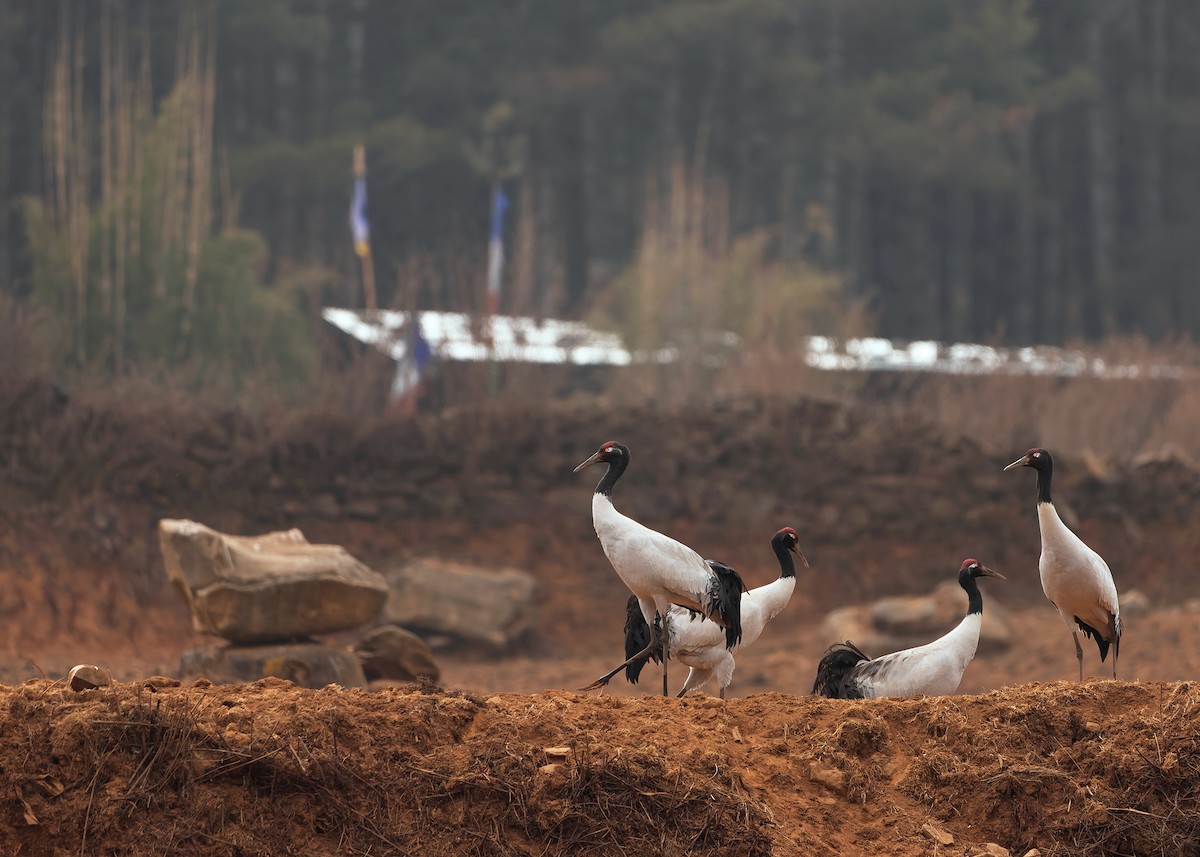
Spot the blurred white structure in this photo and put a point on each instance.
(458, 336)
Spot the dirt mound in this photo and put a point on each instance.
(1098, 768)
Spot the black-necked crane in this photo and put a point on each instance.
(933, 669)
(1075, 578)
(657, 569)
(698, 643)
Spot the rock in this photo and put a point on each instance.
(306, 664)
(488, 605)
(158, 682)
(1134, 603)
(905, 614)
(390, 652)
(991, 849)
(828, 776)
(1032, 852)
(88, 677)
(255, 589)
(938, 834)
(901, 622)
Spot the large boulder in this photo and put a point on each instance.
(277, 586)
(486, 605)
(901, 622)
(306, 664)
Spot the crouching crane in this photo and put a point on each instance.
(933, 669)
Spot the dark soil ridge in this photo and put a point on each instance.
(896, 502)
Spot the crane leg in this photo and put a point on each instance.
(665, 632)
(722, 694)
(647, 652)
(1079, 653)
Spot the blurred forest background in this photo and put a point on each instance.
(175, 177)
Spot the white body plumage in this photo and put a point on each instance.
(700, 644)
(1075, 578)
(934, 669)
(657, 569)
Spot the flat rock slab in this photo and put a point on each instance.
(277, 586)
(305, 664)
(487, 605)
(901, 622)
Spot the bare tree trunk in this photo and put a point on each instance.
(202, 51)
(525, 246)
(1102, 179)
(831, 167)
(1024, 310)
(1152, 156)
(857, 232)
(956, 301)
(78, 213)
(573, 150)
(128, 139)
(917, 284)
(63, 124)
(356, 43)
(7, 179)
(549, 267)
(173, 168)
(106, 156)
(1053, 323)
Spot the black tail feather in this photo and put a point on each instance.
(1101, 643)
(835, 665)
(637, 637)
(725, 601)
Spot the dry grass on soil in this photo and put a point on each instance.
(267, 768)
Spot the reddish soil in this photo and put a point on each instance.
(265, 769)
(883, 506)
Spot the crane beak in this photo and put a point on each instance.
(984, 571)
(593, 460)
(796, 550)
(1024, 459)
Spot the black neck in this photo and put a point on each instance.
(787, 566)
(1043, 484)
(974, 599)
(615, 468)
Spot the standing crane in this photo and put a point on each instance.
(1075, 578)
(933, 669)
(657, 569)
(699, 643)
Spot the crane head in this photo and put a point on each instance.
(1037, 458)
(974, 568)
(787, 538)
(607, 453)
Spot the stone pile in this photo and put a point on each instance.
(267, 596)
